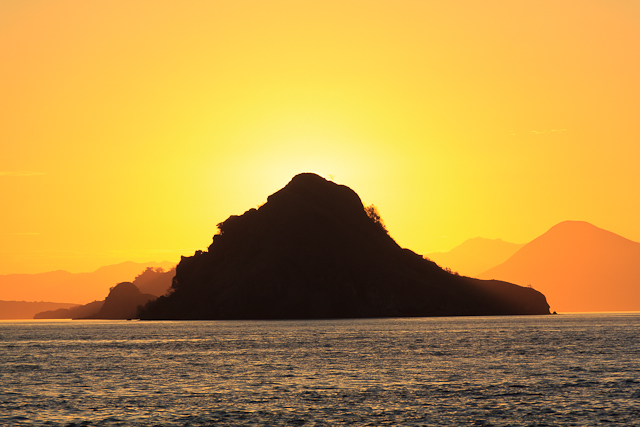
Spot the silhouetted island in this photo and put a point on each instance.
(75, 312)
(314, 251)
(123, 302)
(123, 299)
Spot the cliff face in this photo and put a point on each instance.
(313, 252)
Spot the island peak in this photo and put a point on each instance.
(314, 251)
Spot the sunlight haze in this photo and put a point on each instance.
(130, 129)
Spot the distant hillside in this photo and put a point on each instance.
(314, 251)
(26, 310)
(151, 283)
(155, 281)
(62, 286)
(75, 312)
(579, 267)
(122, 302)
(475, 256)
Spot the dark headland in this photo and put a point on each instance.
(313, 251)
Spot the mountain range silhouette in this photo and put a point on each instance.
(475, 256)
(78, 288)
(314, 251)
(579, 267)
(122, 301)
(28, 309)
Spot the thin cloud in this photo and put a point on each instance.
(22, 173)
(537, 132)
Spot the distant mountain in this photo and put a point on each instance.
(314, 251)
(122, 302)
(75, 312)
(475, 256)
(155, 281)
(26, 309)
(62, 286)
(151, 283)
(579, 267)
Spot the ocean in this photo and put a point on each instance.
(568, 369)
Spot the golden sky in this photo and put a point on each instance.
(129, 129)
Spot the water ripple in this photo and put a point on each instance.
(499, 371)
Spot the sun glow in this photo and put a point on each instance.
(138, 126)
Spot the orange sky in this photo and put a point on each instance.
(129, 129)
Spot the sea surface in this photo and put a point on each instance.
(570, 369)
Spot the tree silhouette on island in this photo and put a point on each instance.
(314, 251)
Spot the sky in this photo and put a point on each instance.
(129, 129)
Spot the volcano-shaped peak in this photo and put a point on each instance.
(573, 226)
(580, 267)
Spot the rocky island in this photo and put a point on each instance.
(314, 251)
